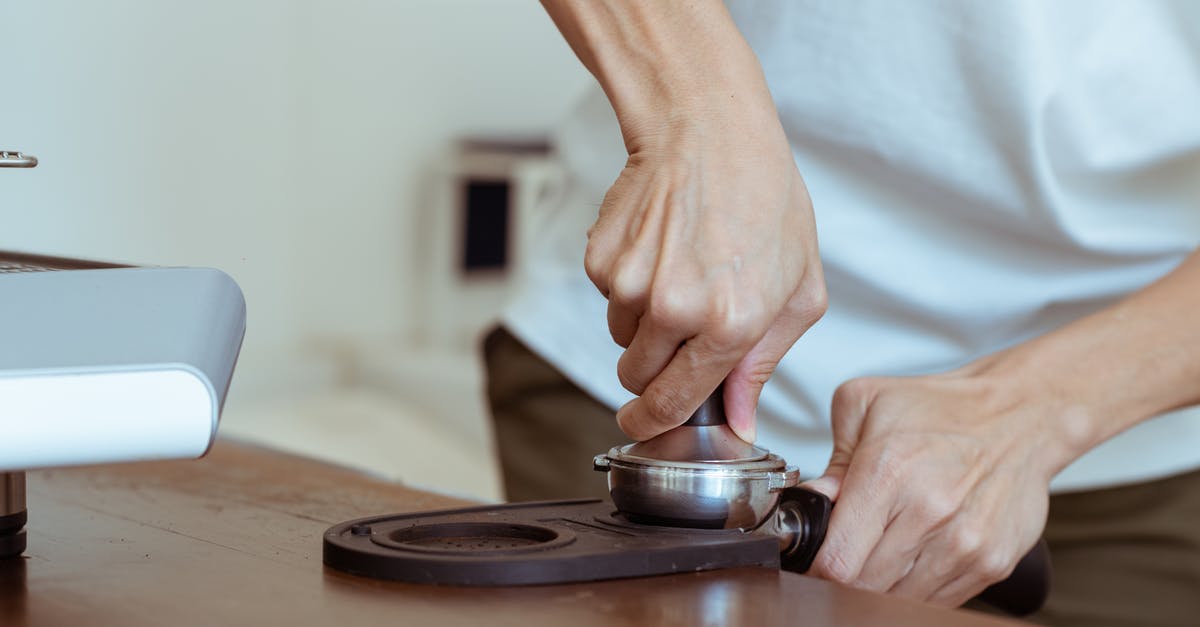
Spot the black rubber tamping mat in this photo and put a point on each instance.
(532, 543)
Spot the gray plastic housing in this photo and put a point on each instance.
(105, 328)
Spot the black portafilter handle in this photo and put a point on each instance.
(1022, 593)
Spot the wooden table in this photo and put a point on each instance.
(235, 538)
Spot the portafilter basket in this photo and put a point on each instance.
(699, 475)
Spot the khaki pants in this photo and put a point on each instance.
(1122, 556)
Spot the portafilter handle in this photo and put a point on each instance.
(804, 515)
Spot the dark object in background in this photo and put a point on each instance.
(486, 219)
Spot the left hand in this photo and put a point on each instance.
(941, 482)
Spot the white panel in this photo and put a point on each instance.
(70, 419)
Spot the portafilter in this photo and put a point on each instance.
(701, 475)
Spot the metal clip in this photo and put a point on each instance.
(16, 159)
(786, 479)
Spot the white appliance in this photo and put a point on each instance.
(106, 363)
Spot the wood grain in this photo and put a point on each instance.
(235, 539)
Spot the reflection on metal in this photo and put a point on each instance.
(700, 474)
(12, 520)
(12, 493)
(17, 159)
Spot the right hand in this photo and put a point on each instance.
(706, 249)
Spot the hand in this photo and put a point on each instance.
(705, 246)
(941, 482)
(706, 250)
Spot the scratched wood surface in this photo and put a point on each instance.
(235, 538)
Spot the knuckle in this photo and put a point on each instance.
(723, 338)
(626, 285)
(595, 268)
(673, 308)
(849, 390)
(994, 565)
(935, 509)
(811, 302)
(967, 541)
(732, 328)
(853, 392)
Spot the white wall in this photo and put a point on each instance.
(284, 142)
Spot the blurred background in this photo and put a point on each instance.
(366, 170)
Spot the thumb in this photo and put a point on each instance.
(742, 389)
(744, 384)
(830, 481)
(847, 415)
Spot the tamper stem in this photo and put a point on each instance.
(711, 412)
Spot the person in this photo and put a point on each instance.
(1007, 199)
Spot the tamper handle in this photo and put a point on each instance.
(711, 412)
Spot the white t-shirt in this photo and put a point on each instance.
(982, 173)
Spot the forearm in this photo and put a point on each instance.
(666, 64)
(1115, 368)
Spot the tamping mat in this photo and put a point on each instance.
(532, 543)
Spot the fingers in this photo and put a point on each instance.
(895, 555)
(622, 247)
(745, 383)
(931, 504)
(855, 528)
(862, 512)
(654, 345)
(960, 590)
(622, 324)
(695, 282)
(624, 278)
(957, 564)
(851, 401)
(696, 370)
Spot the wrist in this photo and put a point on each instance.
(665, 103)
(1044, 409)
(667, 67)
(1114, 368)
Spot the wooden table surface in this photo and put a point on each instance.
(235, 538)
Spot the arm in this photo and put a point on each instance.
(705, 245)
(942, 481)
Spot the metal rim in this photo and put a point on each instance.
(769, 463)
(773, 470)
